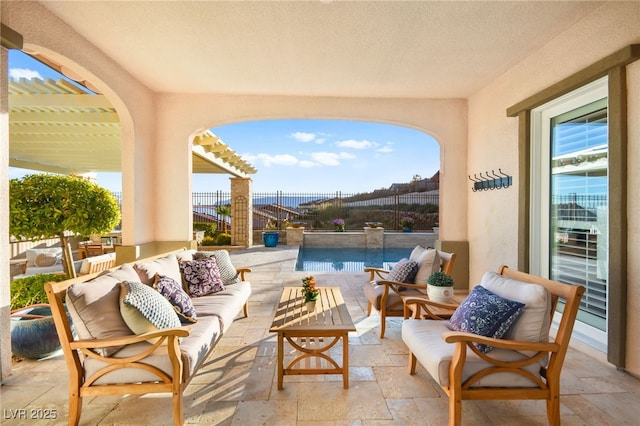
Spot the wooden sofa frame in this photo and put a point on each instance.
(73, 350)
(546, 388)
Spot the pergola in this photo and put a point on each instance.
(60, 127)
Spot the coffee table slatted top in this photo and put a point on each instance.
(330, 312)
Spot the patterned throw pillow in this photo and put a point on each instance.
(175, 294)
(202, 276)
(228, 272)
(403, 272)
(486, 314)
(144, 309)
(46, 259)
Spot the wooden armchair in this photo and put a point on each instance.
(386, 296)
(525, 364)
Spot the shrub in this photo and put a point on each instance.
(209, 228)
(223, 239)
(208, 241)
(30, 290)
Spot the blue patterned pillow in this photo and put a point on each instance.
(486, 314)
(202, 276)
(404, 271)
(175, 294)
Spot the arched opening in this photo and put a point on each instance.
(371, 172)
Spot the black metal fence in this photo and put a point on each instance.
(318, 210)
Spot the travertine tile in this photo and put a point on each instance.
(237, 384)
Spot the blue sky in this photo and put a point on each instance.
(299, 155)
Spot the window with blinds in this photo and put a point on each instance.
(578, 220)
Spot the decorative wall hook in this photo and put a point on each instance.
(491, 181)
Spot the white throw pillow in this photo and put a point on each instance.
(33, 253)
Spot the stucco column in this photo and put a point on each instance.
(241, 212)
(5, 297)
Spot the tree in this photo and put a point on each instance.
(224, 211)
(47, 206)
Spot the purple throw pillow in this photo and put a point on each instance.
(175, 294)
(202, 276)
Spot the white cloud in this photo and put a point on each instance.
(385, 149)
(269, 160)
(18, 73)
(347, 156)
(354, 144)
(303, 136)
(307, 164)
(331, 158)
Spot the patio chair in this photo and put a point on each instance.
(94, 250)
(385, 289)
(522, 365)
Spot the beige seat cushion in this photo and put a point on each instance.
(424, 340)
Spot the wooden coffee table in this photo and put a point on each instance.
(312, 334)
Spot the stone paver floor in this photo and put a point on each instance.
(238, 384)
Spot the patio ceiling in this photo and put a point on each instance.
(378, 49)
(54, 126)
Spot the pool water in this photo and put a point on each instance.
(315, 259)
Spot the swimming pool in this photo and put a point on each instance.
(316, 259)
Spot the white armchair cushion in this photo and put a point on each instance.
(424, 340)
(533, 324)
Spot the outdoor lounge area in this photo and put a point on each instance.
(237, 385)
(535, 110)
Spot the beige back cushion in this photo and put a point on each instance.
(533, 324)
(428, 262)
(94, 306)
(167, 266)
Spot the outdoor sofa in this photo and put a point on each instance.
(49, 261)
(138, 331)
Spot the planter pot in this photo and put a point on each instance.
(33, 332)
(270, 238)
(440, 294)
(311, 306)
(407, 229)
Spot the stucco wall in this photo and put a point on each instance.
(493, 141)
(44, 33)
(180, 115)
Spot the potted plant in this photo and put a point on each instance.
(407, 224)
(47, 206)
(310, 293)
(33, 331)
(270, 235)
(440, 287)
(338, 225)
